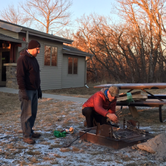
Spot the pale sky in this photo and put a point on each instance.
(78, 8)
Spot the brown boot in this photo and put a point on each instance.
(28, 140)
(36, 135)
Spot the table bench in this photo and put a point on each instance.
(153, 100)
(157, 103)
(157, 96)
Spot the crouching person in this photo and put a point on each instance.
(101, 106)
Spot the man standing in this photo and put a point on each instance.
(101, 106)
(28, 78)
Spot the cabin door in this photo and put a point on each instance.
(4, 58)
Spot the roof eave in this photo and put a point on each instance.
(76, 53)
(46, 36)
(6, 38)
(20, 29)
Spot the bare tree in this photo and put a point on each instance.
(53, 15)
(97, 37)
(147, 17)
(66, 33)
(130, 52)
(12, 14)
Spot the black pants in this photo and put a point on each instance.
(91, 115)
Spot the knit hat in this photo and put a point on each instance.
(114, 91)
(33, 44)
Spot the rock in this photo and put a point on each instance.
(134, 147)
(155, 145)
(145, 147)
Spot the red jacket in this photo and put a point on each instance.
(100, 103)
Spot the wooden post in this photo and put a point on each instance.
(133, 111)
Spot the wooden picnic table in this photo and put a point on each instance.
(158, 102)
(135, 85)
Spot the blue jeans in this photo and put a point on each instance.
(28, 112)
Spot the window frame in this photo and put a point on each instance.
(51, 57)
(72, 67)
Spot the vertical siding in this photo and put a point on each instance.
(73, 80)
(53, 77)
(50, 75)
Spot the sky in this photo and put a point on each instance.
(101, 7)
(79, 7)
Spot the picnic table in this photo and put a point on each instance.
(153, 100)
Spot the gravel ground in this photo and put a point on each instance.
(49, 150)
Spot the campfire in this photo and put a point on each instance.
(114, 136)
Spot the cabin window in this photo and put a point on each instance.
(72, 65)
(50, 56)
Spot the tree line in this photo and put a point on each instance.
(132, 50)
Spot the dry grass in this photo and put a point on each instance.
(74, 92)
(55, 114)
(87, 92)
(10, 104)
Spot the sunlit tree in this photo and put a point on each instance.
(94, 36)
(52, 15)
(147, 18)
(12, 14)
(128, 52)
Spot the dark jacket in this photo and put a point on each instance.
(100, 103)
(28, 73)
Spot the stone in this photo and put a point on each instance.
(155, 145)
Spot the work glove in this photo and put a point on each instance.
(39, 93)
(23, 95)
